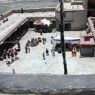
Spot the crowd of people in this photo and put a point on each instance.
(33, 42)
(10, 54)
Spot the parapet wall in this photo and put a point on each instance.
(7, 14)
(34, 10)
(47, 84)
(27, 11)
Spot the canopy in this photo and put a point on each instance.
(72, 40)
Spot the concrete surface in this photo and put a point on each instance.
(47, 84)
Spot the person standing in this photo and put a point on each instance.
(19, 48)
(53, 52)
(26, 49)
(15, 53)
(13, 71)
(47, 52)
(4, 53)
(43, 40)
(12, 55)
(51, 39)
(43, 56)
(8, 52)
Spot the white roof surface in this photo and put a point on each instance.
(15, 19)
(70, 7)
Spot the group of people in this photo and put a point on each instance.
(73, 48)
(34, 41)
(11, 53)
(46, 53)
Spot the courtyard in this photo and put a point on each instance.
(33, 63)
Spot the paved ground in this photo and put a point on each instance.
(33, 63)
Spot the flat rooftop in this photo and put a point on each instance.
(6, 5)
(16, 19)
(68, 6)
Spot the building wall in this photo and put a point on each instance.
(77, 18)
(87, 52)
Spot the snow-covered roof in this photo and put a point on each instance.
(16, 19)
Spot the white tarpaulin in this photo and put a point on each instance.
(73, 40)
(42, 22)
(45, 21)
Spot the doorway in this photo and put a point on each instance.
(67, 26)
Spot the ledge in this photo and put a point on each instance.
(47, 84)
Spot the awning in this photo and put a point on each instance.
(71, 40)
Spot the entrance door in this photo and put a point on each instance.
(67, 26)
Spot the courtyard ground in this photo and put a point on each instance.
(33, 63)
